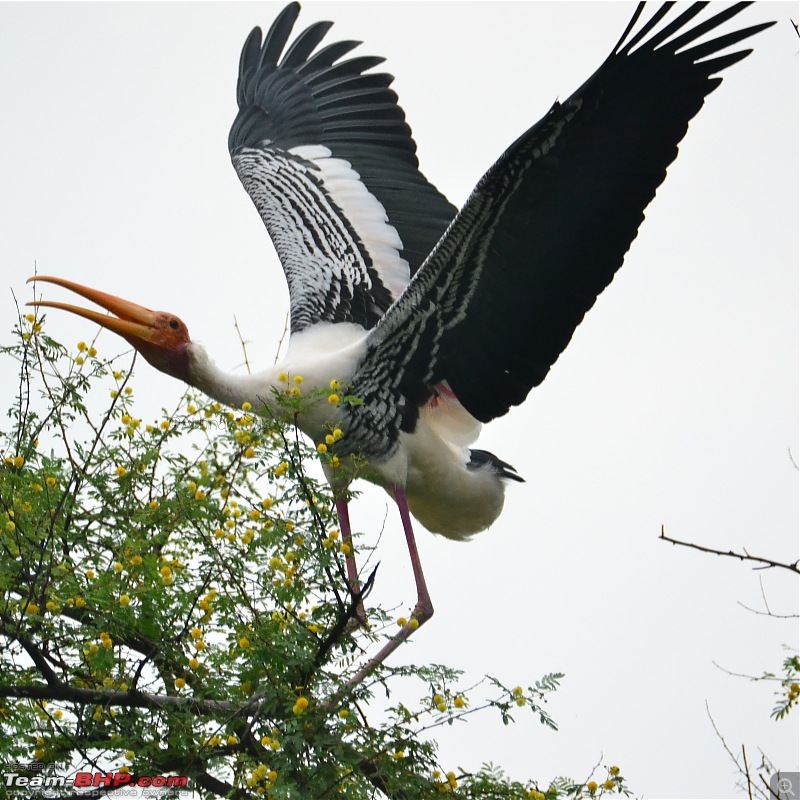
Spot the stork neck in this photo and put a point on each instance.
(233, 390)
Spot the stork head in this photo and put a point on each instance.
(159, 336)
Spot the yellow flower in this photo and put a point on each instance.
(92, 352)
(89, 574)
(398, 754)
(337, 434)
(244, 643)
(130, 755)
(458, 701)
(614, 771)
(517, 691)
(180, 683)
(136, 561)
(165, 424)
(120, 471)
(51, 482)
(194, 663)
(232, 740)
(165, 571)
(283, 377)
(413, 623)
(79, 360)
(30, 318)
(10, 526)
(125, 600)
(298, 379)
(334, 384)
(609, 785)
(79, 602)
(249, 453)
(322, 448)
(196, 633)
(18, 461)
(199, 495)
(82, 346)
(153, 504)
(329, 439)
(344, 549)
(300, 706)
(32, 609)
(333, 399)
(591, 786)
(344, 714)
(117, 567)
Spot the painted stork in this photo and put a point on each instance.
(438, 319)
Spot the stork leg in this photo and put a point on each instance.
(423, 610)
(343, 513)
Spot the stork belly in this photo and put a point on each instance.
(449, 499)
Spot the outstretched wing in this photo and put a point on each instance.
(542, 234)
(325, 153)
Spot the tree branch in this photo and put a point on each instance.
(768, 563)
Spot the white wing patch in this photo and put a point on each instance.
(364, 212)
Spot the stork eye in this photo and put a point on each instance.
(173, 323)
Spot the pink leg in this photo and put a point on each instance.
(343, 513)
(423, 610)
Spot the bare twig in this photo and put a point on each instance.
(242, 342)
(766, 613)
(747, 774)
(768, 563)
(283, 338)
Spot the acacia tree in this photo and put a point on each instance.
(173, 602)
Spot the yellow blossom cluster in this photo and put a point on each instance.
(272, 741)
(445, 784)
(301, 704)
(330, 539)
(105, 641)
(262, 776)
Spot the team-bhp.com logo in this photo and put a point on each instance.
(47, 780)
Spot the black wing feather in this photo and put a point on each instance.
(315, 98)
(541, 236)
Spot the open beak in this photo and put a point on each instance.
(132, 321)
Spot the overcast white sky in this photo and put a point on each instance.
(676, 402)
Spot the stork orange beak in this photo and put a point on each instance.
(159, 336)
(131, 320)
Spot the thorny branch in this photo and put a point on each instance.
(767, 563)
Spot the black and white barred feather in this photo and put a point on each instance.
(326, 156)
